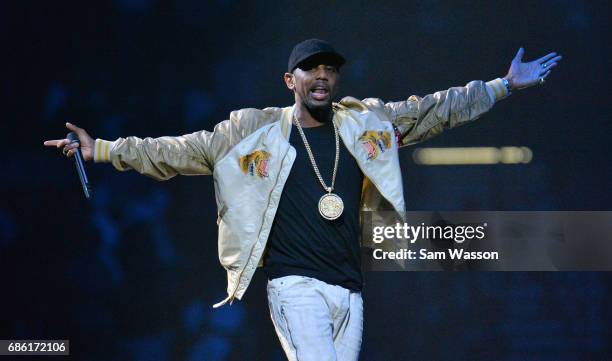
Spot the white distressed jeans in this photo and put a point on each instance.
(316, 321)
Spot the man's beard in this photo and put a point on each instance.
(322, 113)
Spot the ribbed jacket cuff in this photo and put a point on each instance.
(497, 88)
(102, 149)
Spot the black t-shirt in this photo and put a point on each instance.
(301, 241)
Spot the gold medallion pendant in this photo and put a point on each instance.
(331, 206)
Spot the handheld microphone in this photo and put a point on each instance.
(80, 165)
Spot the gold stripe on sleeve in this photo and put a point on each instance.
(495, 90)
(99, 150)
(502, 87)
(106, 156)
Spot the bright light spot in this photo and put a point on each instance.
(472, 155)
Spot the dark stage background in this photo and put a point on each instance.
(133, 274)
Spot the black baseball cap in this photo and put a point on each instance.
(314, 48)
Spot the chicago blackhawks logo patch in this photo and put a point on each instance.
(375, 142)
(255, 164)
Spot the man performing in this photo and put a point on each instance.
(290, 183)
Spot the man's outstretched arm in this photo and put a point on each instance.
(420, 118)
(164, 157)
(159, 158)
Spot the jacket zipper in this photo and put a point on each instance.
(251, 252)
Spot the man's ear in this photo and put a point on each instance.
(289, 81)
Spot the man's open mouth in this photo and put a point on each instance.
(319, 92)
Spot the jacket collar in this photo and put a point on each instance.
(286, 119)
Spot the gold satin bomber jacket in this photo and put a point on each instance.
(249, 157)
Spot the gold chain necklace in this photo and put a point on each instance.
(330, 204)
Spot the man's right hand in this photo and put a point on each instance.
(86, 143)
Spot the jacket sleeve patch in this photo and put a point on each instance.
(255, 164)
(375, 142)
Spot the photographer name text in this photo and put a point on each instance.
(425, 254)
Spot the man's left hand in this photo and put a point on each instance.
(523, 75)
